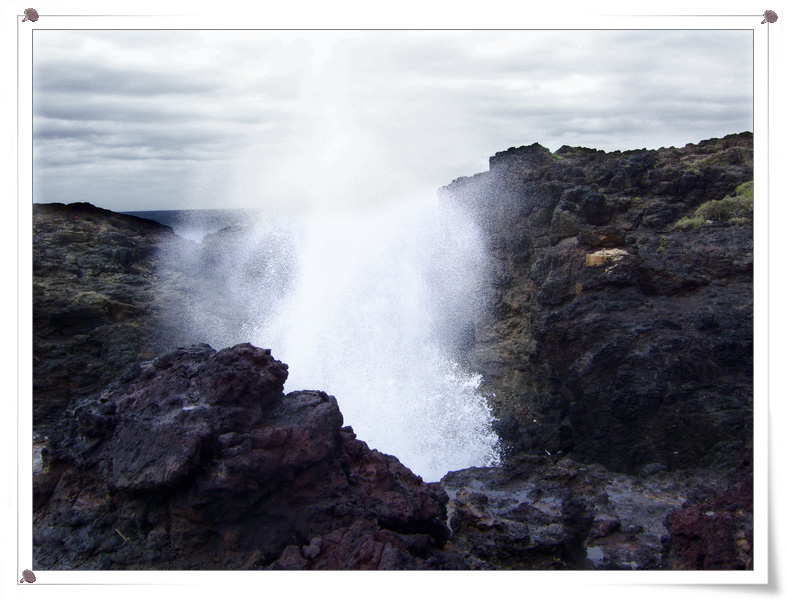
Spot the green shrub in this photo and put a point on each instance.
(744, 189)
(689, 222)
(725, 209)
(735, 209)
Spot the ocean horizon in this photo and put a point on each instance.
(195, 224)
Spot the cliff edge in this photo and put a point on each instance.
(620, 320)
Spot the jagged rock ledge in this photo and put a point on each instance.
(197, 460)
(99, 305)
(614, 337)
(541, 512)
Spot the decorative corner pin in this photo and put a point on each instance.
(31, 14)
(769, 16)
(27, 575)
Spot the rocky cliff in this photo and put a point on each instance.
(620, 321)
(110, 290)
(616, 350)
(98, 302)
(197, 460)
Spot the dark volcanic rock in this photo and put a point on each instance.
(111, 290)
(610, 332)
(536, 512)
(200, 461)
(97, 305)
(615, 342)
(716, 532)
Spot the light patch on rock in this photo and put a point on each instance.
(600, 257)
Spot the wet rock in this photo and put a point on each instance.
(200, 461)
(716, 532)
(536, 512)
(651, 469)
(649, 328)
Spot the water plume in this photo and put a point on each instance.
(373, 307)
(366, 293)
(374, 317)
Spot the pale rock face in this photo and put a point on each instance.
(598, 258)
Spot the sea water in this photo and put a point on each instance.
(196, 224)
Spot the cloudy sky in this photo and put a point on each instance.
(149, 120)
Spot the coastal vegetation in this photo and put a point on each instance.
(735, 208)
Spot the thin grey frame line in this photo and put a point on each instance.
(110, 583)
(564, 30)
(18, 286)
(770, 534)
(397, 29)
(112, 16)
(684, 15)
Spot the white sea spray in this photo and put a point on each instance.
(370, 306)
(379, 301)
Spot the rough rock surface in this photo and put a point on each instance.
(111, 290)
(616, 342)
(97, 305)
(198, 460)
(716, 532)
(611, 333)
(537, 512)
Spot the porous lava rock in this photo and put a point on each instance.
(616, 351)
(111, 290)
(541, 512)
(198, 460)
(611, 332)
(716, 532)
(98, 302)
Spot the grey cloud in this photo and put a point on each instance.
(418, 108)
(108, 109)
(111, 111)
(80, 78)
